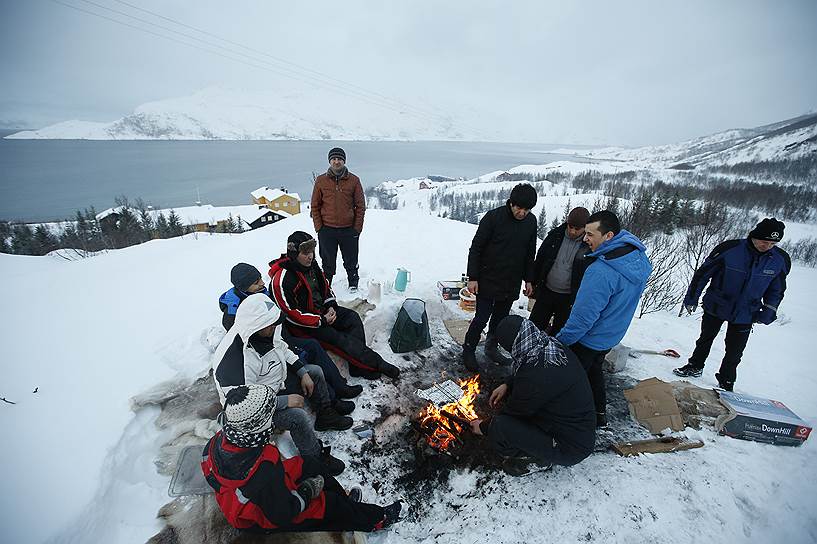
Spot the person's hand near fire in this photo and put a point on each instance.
(497, 395)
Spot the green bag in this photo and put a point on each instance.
(410, 331)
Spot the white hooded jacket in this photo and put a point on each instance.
(237, 363)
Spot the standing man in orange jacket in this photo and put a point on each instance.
(338, 206)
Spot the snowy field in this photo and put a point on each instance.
(91, 334)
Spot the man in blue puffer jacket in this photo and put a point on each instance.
(607, 299)
(748, 281)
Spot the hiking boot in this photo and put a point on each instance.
(356, 494)
(493, 353)
(348, 391)
(725, 384)
(343, 407)
(329, 419)
(391, 513)
(353, 288)
(601, 420)
(330, 466)
(469, 358)
(360, 372)
(389, 370)
(519, 466)
(688, 371)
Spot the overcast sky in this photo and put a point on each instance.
(629, 73)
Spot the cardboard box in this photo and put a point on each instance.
(450, 290)
(761, 420)
(653, 405)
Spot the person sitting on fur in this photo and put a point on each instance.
(260, 491)
(548, 416)
(304, 295)
(252, 352)
(246, 281)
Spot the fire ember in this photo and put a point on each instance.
(442, 426)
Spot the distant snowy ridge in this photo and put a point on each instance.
(790, 139)
(294, 114)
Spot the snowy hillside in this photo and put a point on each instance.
(79, 465)
(791, 139)
(293, 114)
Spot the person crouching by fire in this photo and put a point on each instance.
(547, 415)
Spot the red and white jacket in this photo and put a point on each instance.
(290, 290)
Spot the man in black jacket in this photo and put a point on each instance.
(501, 256)
(548, 415)
(558, 272)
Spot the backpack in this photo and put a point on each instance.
(410, 331)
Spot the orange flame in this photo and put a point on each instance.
(442, 436)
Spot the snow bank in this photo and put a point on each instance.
(90, 334)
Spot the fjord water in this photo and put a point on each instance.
(44, 180)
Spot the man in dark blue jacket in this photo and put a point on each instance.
(607, 299)
(748, 281)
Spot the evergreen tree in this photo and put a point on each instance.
(162, 230)
(22, 240)
(174, 225)
(44, 240)
(542, 225)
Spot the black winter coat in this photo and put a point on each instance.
(558, 400)
(501, 253)
(546, 256)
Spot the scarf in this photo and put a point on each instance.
(533, 346)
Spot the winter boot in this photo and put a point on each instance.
(688, 371)
(725, 384)
(356, 494)
(492, 351)
(469, 358)
(343, 407)
(389, 370)
(360, 372)
(348, 391)
(519, 466)
(391, 513)
(328, 419)
(330, 466)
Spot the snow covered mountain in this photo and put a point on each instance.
(791, 139)
(293, 114)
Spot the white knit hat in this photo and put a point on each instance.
(248, 412)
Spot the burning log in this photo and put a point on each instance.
(443, 425)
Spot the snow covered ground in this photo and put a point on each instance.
(90, 334)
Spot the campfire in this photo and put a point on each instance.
(442, 423)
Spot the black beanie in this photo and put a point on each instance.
(337, 152)
(299, 241)
(523, 196)
(243, 275)
(769, 229)
(507, 331)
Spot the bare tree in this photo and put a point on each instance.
(663, 286)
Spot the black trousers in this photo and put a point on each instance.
(592, 361)
(487, 309)
(345, 337)
(329, 239)
(737, 335)
(514, 437)
(341, 514)
(316, 355)
(551, 304)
